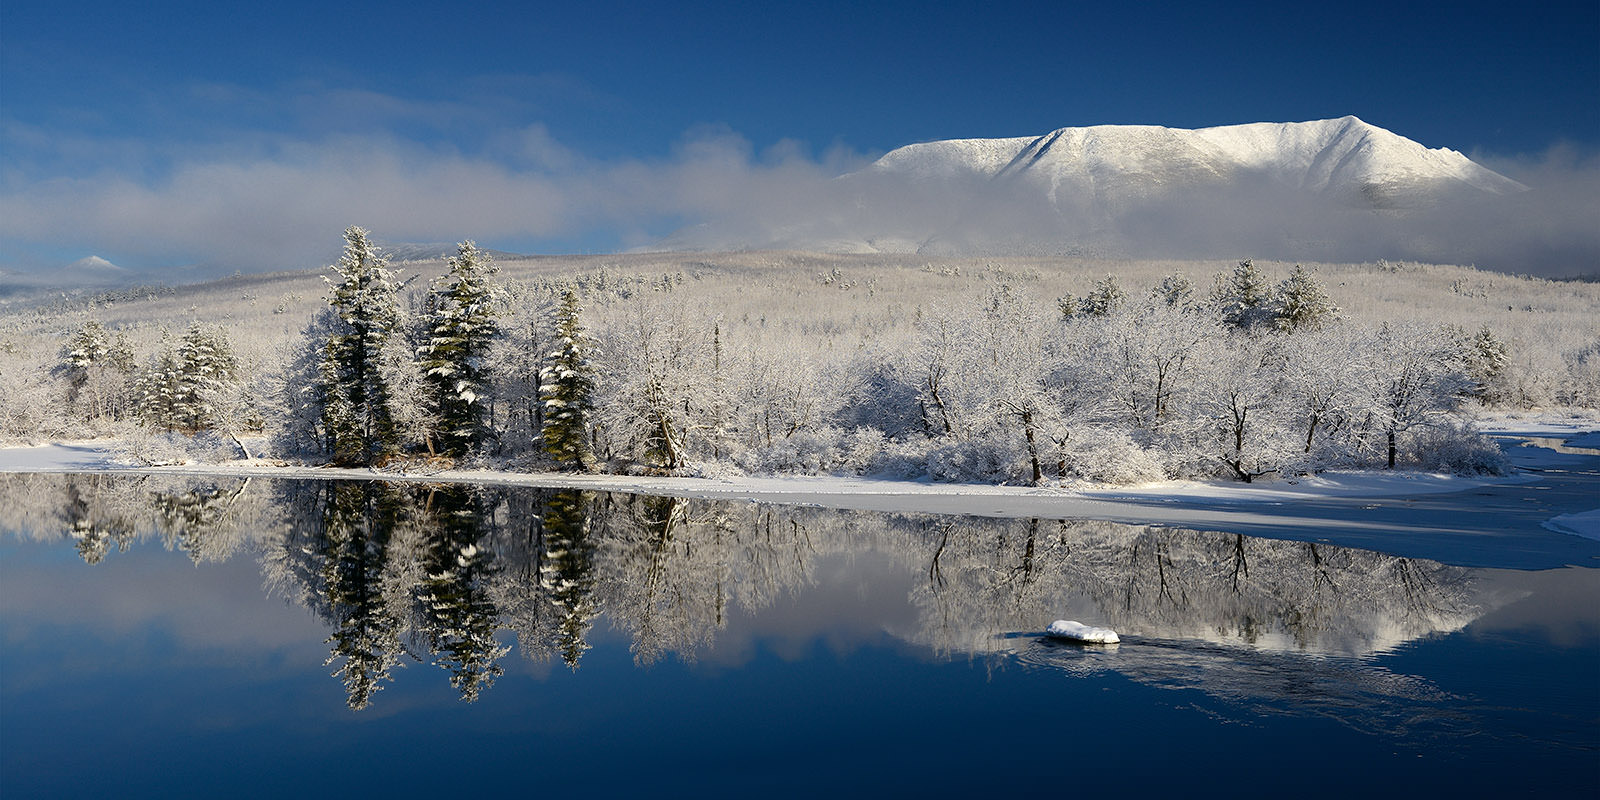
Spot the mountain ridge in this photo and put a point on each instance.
(1320, 155)
(1334, 188)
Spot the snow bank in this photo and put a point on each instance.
(58, 457)
(1575, 423)
(1334, 483)
(1079, 632)
(1585, 524)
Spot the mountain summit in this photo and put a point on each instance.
(1337, 188)
(1116, 164)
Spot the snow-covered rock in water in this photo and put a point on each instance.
(1079, 632)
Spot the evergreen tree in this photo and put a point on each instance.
(1485, 360)
(566, 386)
(179, 390)
(455, 359)
(1244, 297)
(1106, 297)
(206, 368)
(97, 368)
(1174, 290)
(159, 389)
(1302, 302)
(353, 389)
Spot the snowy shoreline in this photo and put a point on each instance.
(1550, 499)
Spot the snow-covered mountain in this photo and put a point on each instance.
(1345, 157)
(1263, 188)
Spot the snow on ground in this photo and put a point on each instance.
(1334, 483)
(57, 457)
(1581, 423)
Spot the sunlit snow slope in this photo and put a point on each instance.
(1290, 189)
(1343, 156)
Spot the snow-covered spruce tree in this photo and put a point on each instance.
(1302, 302)
(1174, 290)
(1485, 360)
(353, 391)
(1106, 297)
(207, 368)
(566, 388)
(180, 390)
(455, 359)
(159, 390)
(1244, 297)
(97, 368)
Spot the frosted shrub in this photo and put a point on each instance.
(807, 452)
(863, 449)
(983, 459)
(1108, 456)
(156, 448)
(1458, 449)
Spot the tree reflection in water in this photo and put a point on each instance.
(413, 571)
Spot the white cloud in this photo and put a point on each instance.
(273, 201)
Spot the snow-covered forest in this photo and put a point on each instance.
(999, 370)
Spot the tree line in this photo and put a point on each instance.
(1249, 378)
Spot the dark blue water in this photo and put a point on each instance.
(172, 638)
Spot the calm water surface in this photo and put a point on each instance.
(171, 637)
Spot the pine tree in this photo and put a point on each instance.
(1485, 360)
(455, 359)
(206, 368)
(1106, 297)
(178, 391)
(358, 424)
(159, 389)
(1244, 297)
(97, 368)
(1302, 302)
(566, 388)
(88, 345)
(1174, 290)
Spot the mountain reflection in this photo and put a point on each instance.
(458, 575)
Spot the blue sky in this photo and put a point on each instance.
(159, 134)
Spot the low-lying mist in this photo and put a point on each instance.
(284, 208)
